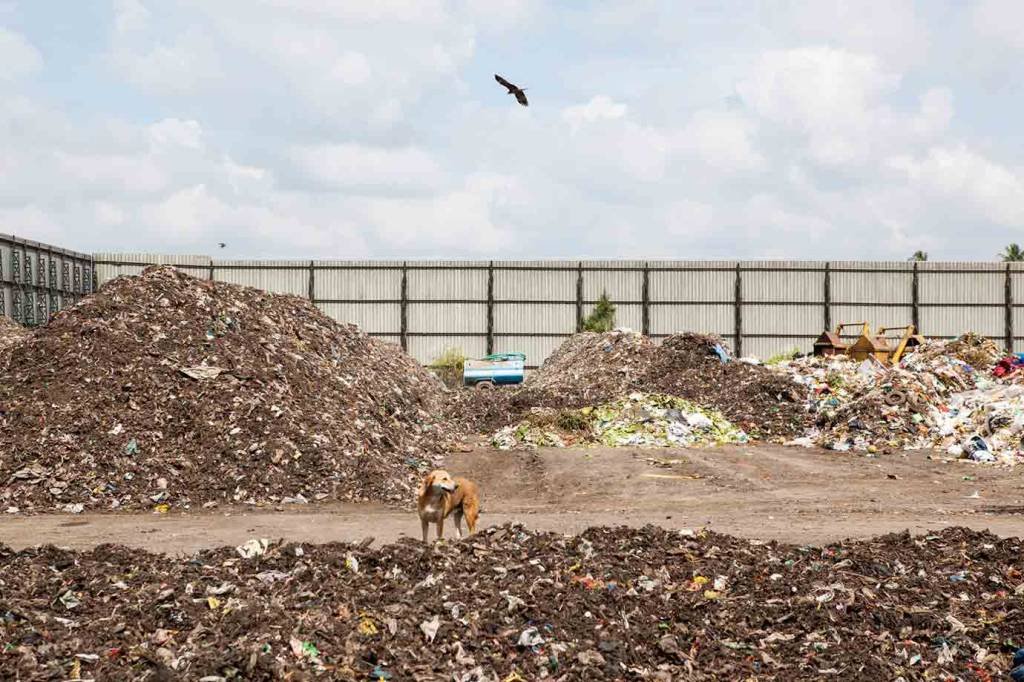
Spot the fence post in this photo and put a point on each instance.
(404, 304)
(915, 301)
(210, 273)
(579, 297)
(490, 307)
(828, 295)
(1008, 309)
(312, 282)
(738, 312)
(645, 297)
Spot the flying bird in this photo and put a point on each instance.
(221, 244)
(519, 92)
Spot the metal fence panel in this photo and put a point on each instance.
(953, 287)
(372, 318)
(32, 279)
(447, 284)
(785, 281)
(111, 265)
(877, 316)
(693, 285)
(783, 320)
(331, 282)
(621, 285)
(955, 321)
(281, 277)
(871, 287)
(441, 317)
(709, 319)
(536, 285)
(534, 318)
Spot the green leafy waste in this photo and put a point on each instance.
(639, 420)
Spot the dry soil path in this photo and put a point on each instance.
(765, 492)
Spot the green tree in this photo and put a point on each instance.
(602, 317)
(1012, 252)
(919, 256)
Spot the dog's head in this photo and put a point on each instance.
(439, 478)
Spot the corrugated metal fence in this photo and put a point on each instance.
(37, 280)
(762, 307)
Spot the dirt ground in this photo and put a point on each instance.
(764, 492)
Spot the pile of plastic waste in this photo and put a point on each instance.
(933, 399)
(638, 420)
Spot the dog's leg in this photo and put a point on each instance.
(457, 515)
(426, 528)
(472, 511)
(440, 527)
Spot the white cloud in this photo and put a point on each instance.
(173, 132)
(109, 173)
(889, 29)
(130, 16)
(1000, 20)
(360, 167)
(600, 107)
(936, 112)
(185, 65)
(18, 57)
(689, 218)
(466, 219)
(107, 213)
(959, 174)
(723, 139)
(817, 89)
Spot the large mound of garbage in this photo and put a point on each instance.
(641, 420)
(696, 367)
(590, 368)
(943, 396)
(165, 391)
(510, 604)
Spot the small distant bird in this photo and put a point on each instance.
(513, 89)
(221, 244)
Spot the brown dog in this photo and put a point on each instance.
(441, 495)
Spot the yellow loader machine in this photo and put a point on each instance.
(883, 345)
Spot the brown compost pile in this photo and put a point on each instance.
(591, 368)
(510, 604)
(165, 391)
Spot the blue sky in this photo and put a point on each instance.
(310, 128)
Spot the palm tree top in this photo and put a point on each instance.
(1012, 252)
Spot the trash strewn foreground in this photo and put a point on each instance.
(508, 604)
(166, 391)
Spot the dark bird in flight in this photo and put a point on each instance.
(519, 92)
(221, 244)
